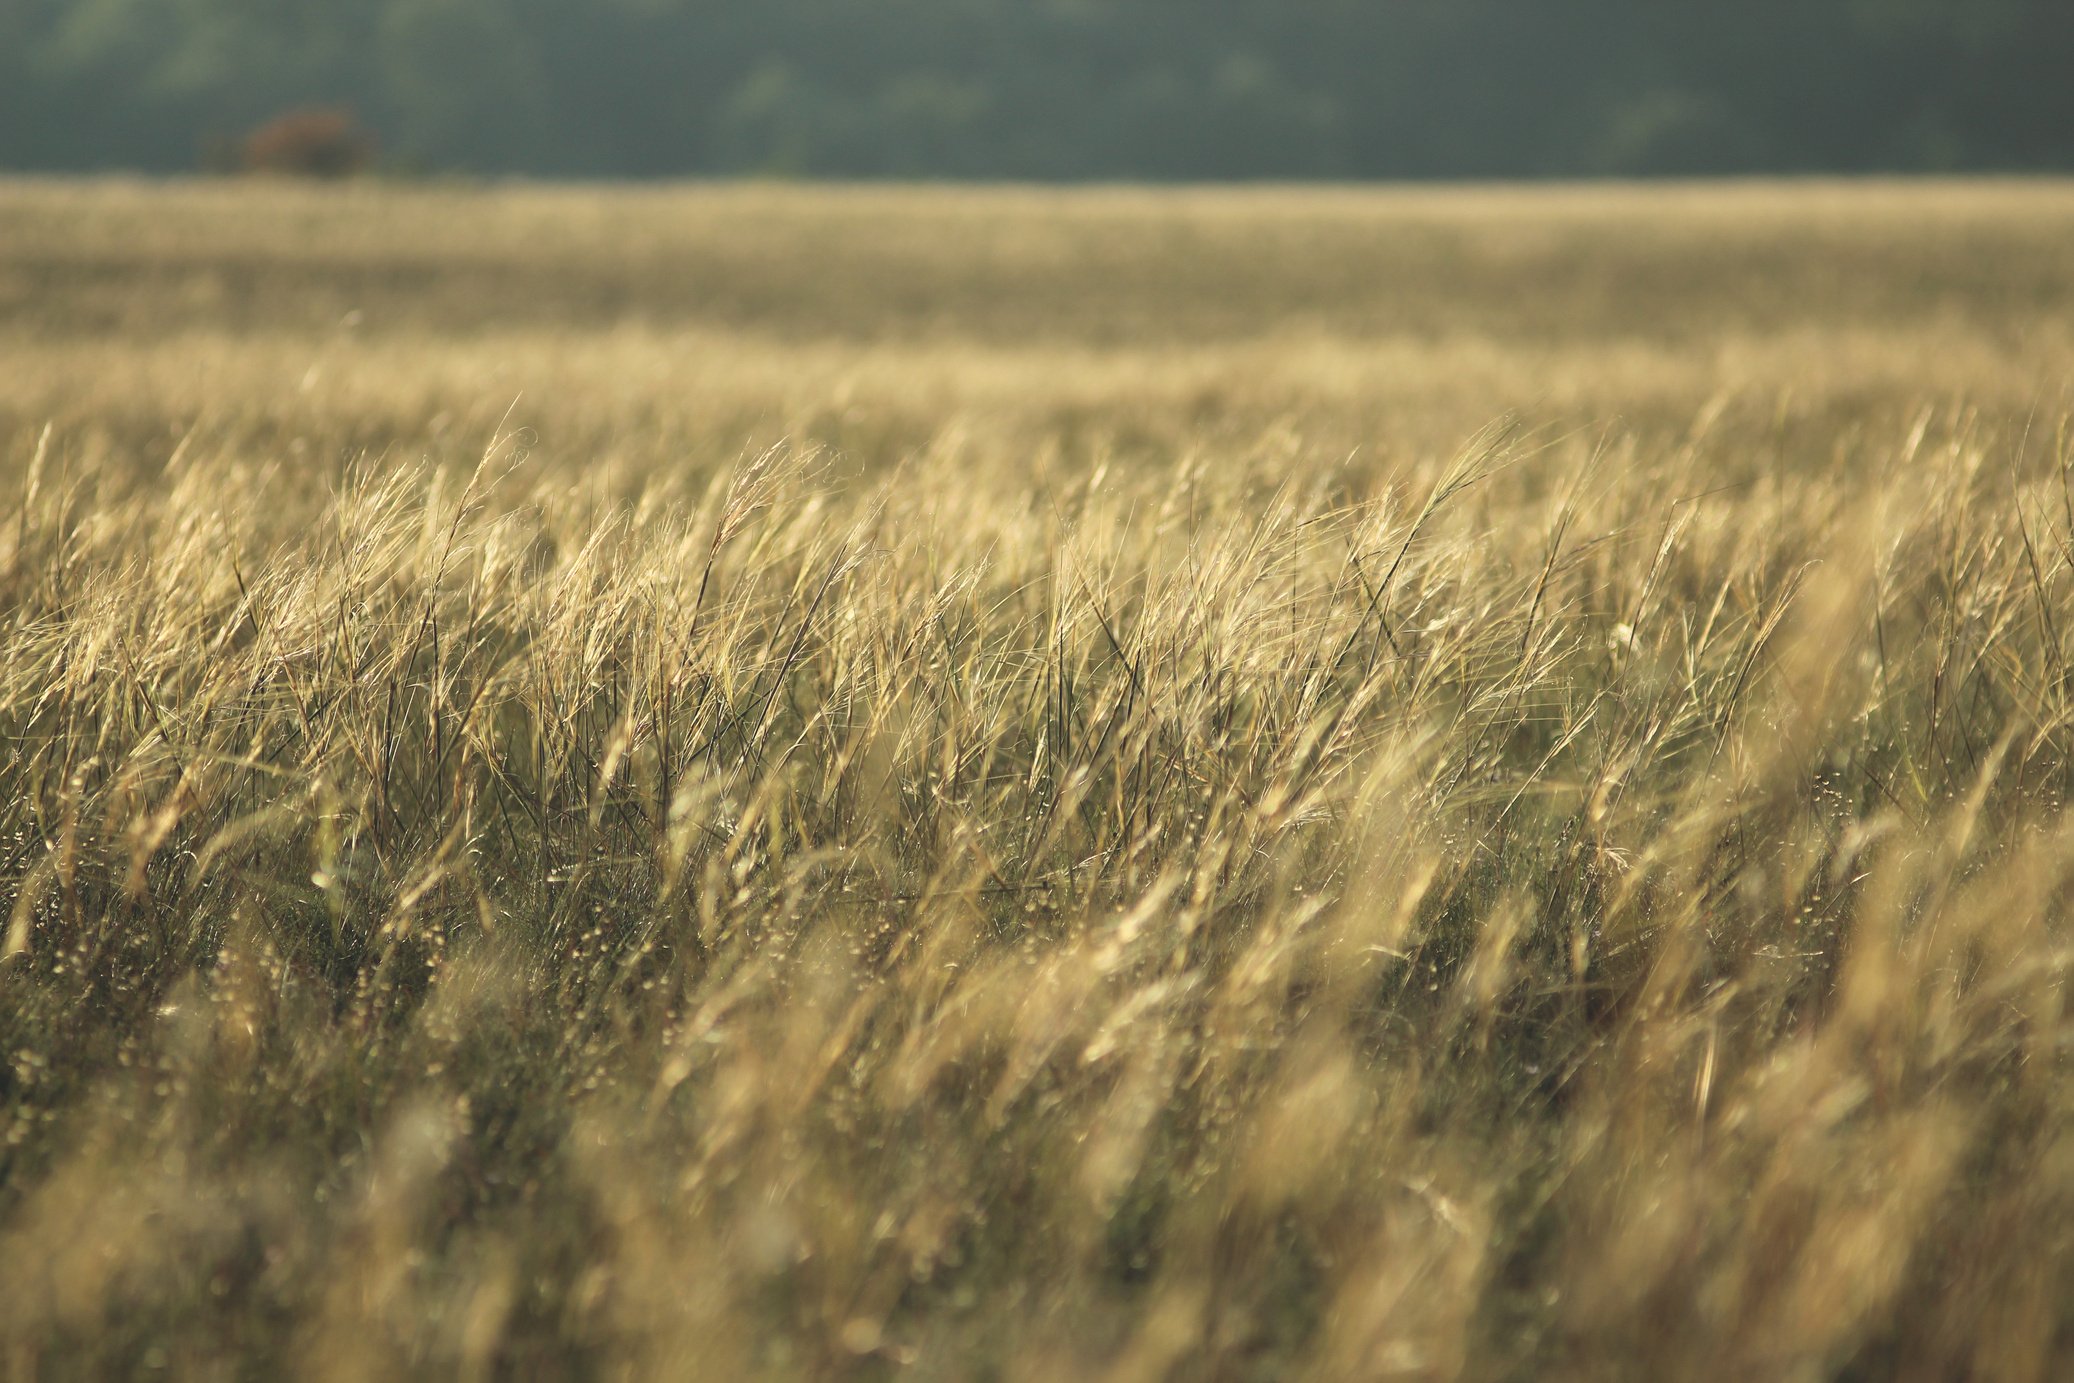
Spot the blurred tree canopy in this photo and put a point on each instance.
(1059, 88)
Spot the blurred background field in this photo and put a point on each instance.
(772, 781)
(878, 318)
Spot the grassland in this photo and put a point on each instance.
(761, 782)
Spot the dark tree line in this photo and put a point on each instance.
(1058, 88)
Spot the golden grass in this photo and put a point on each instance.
(762, 782)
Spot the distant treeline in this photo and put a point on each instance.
(1058, 88)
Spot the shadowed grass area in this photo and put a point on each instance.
(1032, 850)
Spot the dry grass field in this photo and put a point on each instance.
(761, 782)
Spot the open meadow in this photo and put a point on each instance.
(758, 782)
